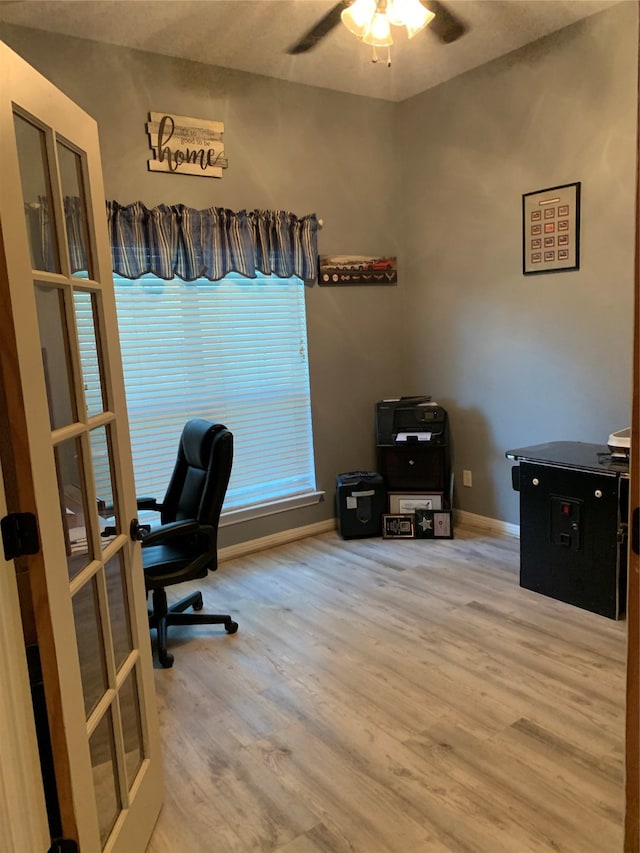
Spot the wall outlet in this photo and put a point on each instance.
(467, 478)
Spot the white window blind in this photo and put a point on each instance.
(232, 351)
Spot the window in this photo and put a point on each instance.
(232, 351)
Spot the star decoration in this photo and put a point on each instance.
(425, 523)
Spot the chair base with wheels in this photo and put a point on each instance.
(162, 615)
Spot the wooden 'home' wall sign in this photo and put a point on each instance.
(186, 146)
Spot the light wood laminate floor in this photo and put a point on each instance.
(391, 697)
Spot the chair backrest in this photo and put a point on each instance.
(201, 474)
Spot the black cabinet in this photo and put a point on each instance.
(412, 446)
(573, 524)
(417, 467)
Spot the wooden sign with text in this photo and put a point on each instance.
(186, 146)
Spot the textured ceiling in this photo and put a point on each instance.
(253, 35)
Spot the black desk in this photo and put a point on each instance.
(573, 523)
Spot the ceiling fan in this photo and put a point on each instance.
(444, 24)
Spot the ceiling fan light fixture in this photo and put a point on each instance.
(378, 33)
(410, 14)
(357, 18)
(371, 20)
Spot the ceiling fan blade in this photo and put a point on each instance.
(320, 30)
(445, 26)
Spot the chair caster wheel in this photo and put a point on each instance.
(231, 627)
(198, 603)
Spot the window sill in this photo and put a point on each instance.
(237, 516)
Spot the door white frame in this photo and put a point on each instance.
(23, 815)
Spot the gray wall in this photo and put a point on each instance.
(517, 359)
(294, 147)
(438, 181)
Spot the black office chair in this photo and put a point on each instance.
(185, 544)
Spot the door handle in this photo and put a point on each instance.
(635, 531)
(138, 531)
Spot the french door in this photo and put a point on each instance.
(67, 471)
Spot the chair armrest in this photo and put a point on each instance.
(176, 530)
(148, 503)
(107, 510)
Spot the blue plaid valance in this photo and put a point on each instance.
(175, 240)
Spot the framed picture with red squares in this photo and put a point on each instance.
(555, 213)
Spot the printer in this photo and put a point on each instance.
(401, 421)
(620, 445)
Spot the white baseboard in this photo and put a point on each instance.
(492, 525)
(242, 549)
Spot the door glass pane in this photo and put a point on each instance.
(85, 311)
(93, 670)
(75, 210)
(131, 726)
(118, 610)
(103, 478)
(36, 191)
(103, 762)
(54, 344)
(73, 504)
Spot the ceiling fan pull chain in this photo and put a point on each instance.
(374, 57)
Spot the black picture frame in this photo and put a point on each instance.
(433, 524)
(398, 526)
(551, 230)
